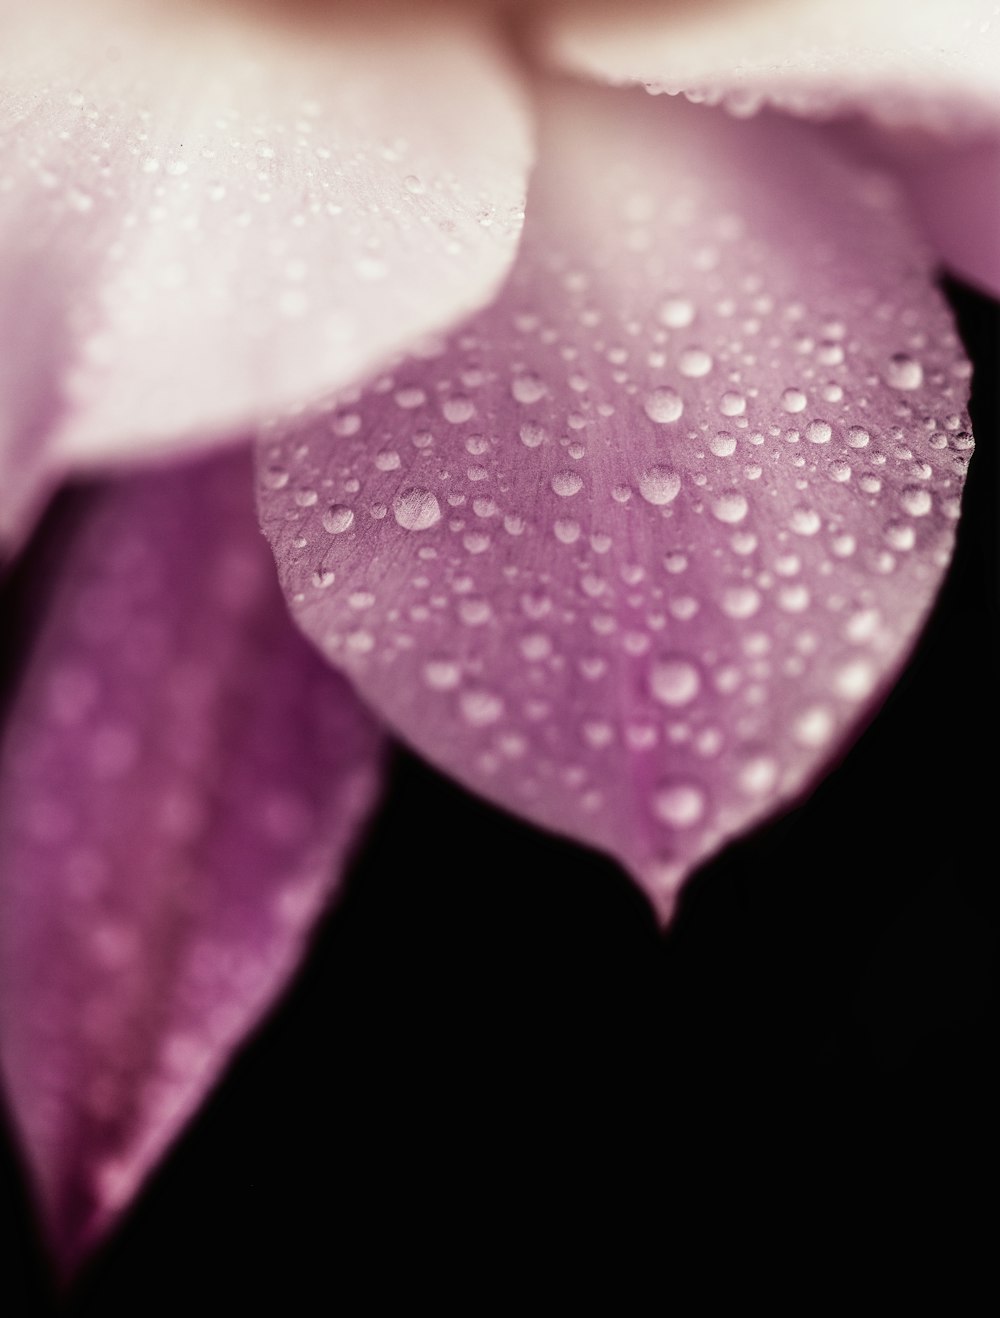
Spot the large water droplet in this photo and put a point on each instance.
(416, 510)
(659, 485)
(904, 372)
(679, 805)
(567, 483)
(664, 405)
(676, 312)
(338, 518)
(674, 682)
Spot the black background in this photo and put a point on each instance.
(492, 1048)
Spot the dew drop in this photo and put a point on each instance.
(793, 400)
(532, 434)
(819, 432)
(904, 372)
(730, 506)
(659, 485)
(567, 483)
(674, 682)
(442, 674)
(694, 363)
(480, 708)
(676, 312)
(722, 444)
(528, 388)
(679, 805)
(416, 510)
(916, 500)
(338, 518)
(663, 406)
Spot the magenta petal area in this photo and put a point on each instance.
(639, 551)
(206, 213)
(182, 781)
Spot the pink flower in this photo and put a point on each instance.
(627, 521)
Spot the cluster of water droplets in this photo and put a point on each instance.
(635, 564)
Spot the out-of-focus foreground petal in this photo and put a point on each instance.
(640, 551)
(204, 214)
(934, 65)
(956, 193)
(182, 780)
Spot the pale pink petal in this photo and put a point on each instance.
(956, 193)
(205, 213)
(640, 550)
(928, 63)
(181, 782)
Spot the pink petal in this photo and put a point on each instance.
(182, 782)
(933, 64)
(956, 193)
(204, 214)
(643, 626)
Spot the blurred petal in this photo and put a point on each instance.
(956, 193)
(182, 782)
(203, 216)
(933, 64)
(641, 550)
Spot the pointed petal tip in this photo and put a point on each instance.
(635, 552)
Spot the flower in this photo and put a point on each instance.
(628, 523)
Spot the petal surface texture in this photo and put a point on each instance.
(205, 213)
(933, 64)
(182, 779)
(638, 550)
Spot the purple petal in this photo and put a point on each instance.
(182, 782)
(957, 196)
(640, 550)
(204, 214)
(932, 64)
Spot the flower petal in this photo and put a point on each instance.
(181, 783)
(643, 547)
(934, 64)
(203, 216)
(957, 196)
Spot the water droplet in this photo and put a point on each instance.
(858, 437)
(676, 312)
(722, 444)
(904, 372)
(813, 727)
(758, 775)
(916, 500)
(458, 409)
(528, 388)
(567, 483)
(856, 679)
(416, 510)
(442, 674)
(694, 363)
(480, 708)
(679, 805)
(805, 521)
(674, 682)
(338, 518)
(730, 506)
(732, 404)
(659, 485)
(532, 434)
(819, 432)
(663, 406)
(793, 400)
